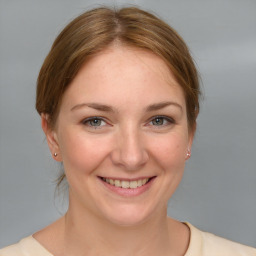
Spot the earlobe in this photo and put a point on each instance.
(188, 155)
(190, 142)
(51, 137)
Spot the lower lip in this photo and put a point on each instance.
(129, 192)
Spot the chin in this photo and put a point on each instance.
(127, 220)
(129, 215)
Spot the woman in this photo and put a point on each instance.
(118, 98)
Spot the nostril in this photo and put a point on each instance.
(130, 160)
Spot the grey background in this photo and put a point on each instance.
(218, 192)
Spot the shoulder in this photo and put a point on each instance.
(13, 250)
(206, 244)
(26, 247)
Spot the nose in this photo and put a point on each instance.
(129, 151)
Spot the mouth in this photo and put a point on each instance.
(127, 184)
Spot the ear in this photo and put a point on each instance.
(190, 141)
(51, 137)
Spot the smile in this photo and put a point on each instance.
(125, 183)
(128, 187)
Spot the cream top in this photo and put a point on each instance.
(201, 244)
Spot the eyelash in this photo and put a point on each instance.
(91, 119)
(166, 121)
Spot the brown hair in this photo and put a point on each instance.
(94, 30)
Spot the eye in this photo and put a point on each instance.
(94, 122)
(158, 121)
(161, 121)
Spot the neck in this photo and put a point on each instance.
(92, 235)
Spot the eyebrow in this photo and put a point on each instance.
(161, 105)
(97, 106)
(107, 108)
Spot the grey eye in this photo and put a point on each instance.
(95, 122)
(158, 121)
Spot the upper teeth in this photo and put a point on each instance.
(126, 184)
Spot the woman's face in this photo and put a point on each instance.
(122, 134)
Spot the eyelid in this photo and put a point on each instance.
(86, 120)
(92, 117)
(170, 120)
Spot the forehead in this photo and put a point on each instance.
(124, 75)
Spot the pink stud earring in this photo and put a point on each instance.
(55, 154)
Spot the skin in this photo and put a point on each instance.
(128, 141)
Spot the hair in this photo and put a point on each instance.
(95, 30)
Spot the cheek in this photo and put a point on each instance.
(169, 154)
(170, 151)
(82, 154)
